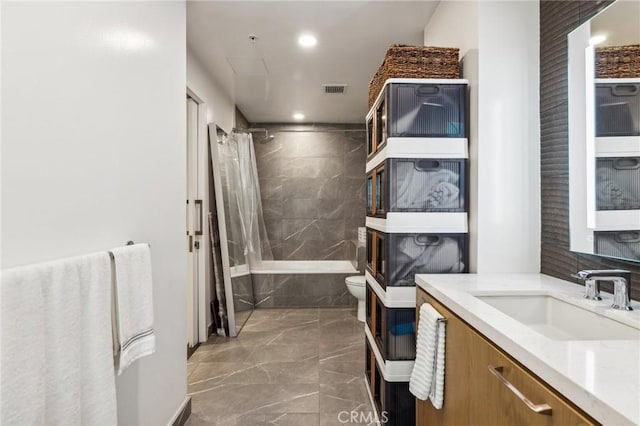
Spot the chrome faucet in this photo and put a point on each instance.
(621, 285)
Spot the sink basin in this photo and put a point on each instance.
(560, 320)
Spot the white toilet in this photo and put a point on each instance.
(356, 285)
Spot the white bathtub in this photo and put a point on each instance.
(305, 267)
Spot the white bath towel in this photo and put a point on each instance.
(427, 377)
(56, 358)
(133, 308)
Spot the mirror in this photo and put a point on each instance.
(604, 133)
(232, 158)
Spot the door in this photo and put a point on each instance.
(194, 224)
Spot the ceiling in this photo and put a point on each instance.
(620, 23)
(274, 77)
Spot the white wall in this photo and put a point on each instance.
(499, 42)
(461, 14)
(509, 137)
(93, 155)
(438, 33)
(219, 100)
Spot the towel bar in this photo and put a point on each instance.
(128, 243)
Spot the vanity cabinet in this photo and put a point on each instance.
(482, 384)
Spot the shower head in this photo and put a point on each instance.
(267, 138)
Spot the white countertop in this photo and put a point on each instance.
(602, 377)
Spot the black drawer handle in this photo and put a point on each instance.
(427, 90)
(427, 240)
(626, 163)
(424, 165)
(625, 89)
(627, 237)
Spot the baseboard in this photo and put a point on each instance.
(181, 417)
(191, 350)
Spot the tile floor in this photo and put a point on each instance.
(297, 367)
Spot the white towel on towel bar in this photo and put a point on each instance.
(427, 377)
(133, 308)
(56, 358)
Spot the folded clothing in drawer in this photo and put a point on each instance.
(618, 183)
(427, 185)
(411, 254)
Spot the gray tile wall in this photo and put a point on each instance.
(557, 19)
(301, 290)
(312, 186)
(243, 297)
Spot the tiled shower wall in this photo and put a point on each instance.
(312, 187)
(557, 20)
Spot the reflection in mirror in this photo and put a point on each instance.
(604, 133)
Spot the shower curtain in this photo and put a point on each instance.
(242, 188)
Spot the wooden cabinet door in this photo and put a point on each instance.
(455, 410)
(493, 402)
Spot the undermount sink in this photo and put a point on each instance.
(560, 320)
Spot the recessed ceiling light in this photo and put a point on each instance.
(298, 116)
(597, 39)
(307, 40)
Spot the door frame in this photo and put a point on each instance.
(204, 252)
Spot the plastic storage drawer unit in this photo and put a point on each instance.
(618, 183)
(394, 259)
(369, 195)
(617, 109)
(418, 185)
(425, 110)
(392, 328)
(622, 244)
(396, 406)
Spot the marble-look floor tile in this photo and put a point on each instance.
(334, 372)
(279, 419)
(287, 367)
(364, 417)
(231, 352)
(280, 325)
(336, 353)
(294, 372)
(280, 353)
(228, 400)
(285, 314)
(344, 397)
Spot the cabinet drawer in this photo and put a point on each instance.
(392, 328)
(417, 185)
(393, 401)
(499, 378)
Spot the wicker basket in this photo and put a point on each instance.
(618, 61)
(403, 61)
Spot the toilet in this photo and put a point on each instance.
(356, 285)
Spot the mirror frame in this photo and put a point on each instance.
(583, 215)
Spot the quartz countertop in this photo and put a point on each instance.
(602, 377)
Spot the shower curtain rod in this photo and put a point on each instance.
(262, 129)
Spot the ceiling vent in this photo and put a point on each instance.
(334, 89)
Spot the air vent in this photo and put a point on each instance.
(334, 89)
